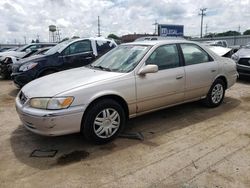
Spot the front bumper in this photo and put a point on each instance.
(22, 78)
(50, 122)
(5, 69)
(243, 70)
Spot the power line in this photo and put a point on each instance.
(203, 10)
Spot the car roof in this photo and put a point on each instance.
(156, 42)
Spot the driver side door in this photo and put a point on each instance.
(165, 87)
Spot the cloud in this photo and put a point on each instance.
(21, 18)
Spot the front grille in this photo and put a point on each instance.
(22, 98)
(244, 61)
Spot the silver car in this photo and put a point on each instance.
(131, 80)
(242, 59)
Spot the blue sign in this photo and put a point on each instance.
(170, 30)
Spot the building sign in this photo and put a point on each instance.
(170, 30)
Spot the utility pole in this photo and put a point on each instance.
(99, 31)
(239, 29)
(37, 38)
(155, 24)
(206, 29)
(203, 10)
(25, 42)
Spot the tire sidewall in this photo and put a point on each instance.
(92, 112)
(210, 102)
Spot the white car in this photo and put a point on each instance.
(130, 80)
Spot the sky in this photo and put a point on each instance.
(20, 19)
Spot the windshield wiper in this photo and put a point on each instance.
(101, 67)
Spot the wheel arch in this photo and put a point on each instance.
(46, 69)
(114, 97)
(223, 78)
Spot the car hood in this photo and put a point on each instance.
(13, 53)
(54, 84)
(243, 52)
(34, 58)
(219, 50)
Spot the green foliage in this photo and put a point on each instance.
(113, 36)
(228, 33)
(247, 32)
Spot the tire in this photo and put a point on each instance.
(216, 94)
(103, 121)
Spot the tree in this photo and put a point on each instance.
(113, 36)
(228, 33)
(32, 41)
(247, 32)
(37, 41)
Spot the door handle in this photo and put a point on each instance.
(179, 77)
(88, 58)
(213, 70)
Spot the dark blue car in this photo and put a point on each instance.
(66, 55)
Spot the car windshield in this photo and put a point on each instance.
(123, 58)
(58, 47)
(22, 48)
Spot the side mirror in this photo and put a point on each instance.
(148, 69)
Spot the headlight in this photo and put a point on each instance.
(51, 103)
(27, 66)
(235, 57)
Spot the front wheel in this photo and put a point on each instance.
(103, 121)
(216, 94)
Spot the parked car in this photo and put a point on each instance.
(222, 51)
(6, 65)
(130, 80)
(66, 55)
(7, 58)
(158, 38)
(222, 43)
(242, 59)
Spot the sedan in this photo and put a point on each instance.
(130, 80)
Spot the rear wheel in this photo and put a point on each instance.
(216, 94)
(103, 121)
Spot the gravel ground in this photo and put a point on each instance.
(188, 146)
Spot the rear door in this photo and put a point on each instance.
(165, 87)
(200, 70)
(78, 54)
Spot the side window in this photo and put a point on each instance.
(103, 47)
(193, 54)
(78, 47)
(165, 57)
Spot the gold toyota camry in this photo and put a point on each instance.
(130, 80)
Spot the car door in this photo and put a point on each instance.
(165, 87)
(78, 54)
(200, 71)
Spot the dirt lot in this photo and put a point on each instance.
(186, 146)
